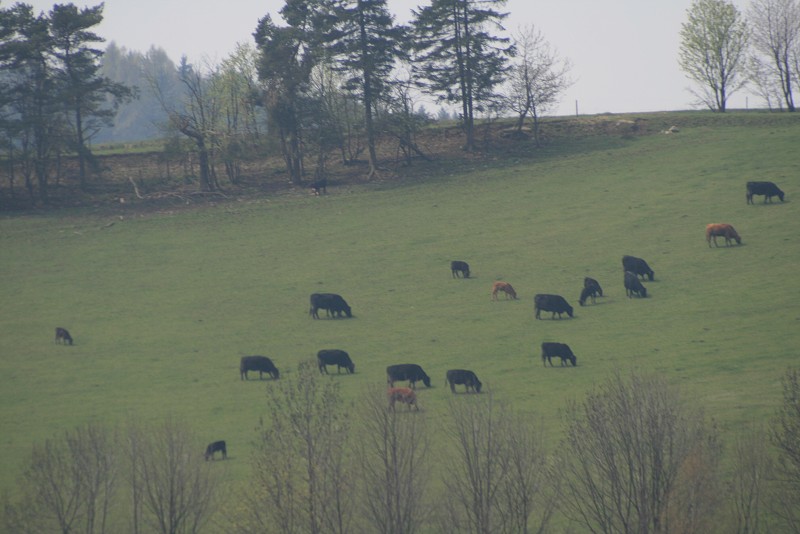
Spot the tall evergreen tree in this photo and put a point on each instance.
(367, 46)
(458, 57)
(84, 90)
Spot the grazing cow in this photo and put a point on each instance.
(336, 357)
(724, 230)
(768, 189)
(552, 303)
(333, 304)
(461, 267)
(407, 371)
(637, 266)
(214, 447)
(62, 336)
(505, 287)
(262, 364)
(633, 285)
(462, 376)
(591, 288)
(404, 395)
(560, 350)
(319, 187)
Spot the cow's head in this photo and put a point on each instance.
(780, 195)
(569, 310)
(651, 274)
(426, 380)
(351, 368)
(478, 385)
(348, 311)
(574, 360)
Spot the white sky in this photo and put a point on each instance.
(623, 52)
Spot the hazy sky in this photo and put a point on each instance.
(623, 52)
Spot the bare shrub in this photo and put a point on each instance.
(786, 438)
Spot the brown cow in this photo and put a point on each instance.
(404, 395)
(505, 287)
(724, 230)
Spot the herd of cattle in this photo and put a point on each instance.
(635, 271)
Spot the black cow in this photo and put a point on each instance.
(591, 289)
(262, 364)
(637, 266)
(465, 377)
(768, 189)
(461, 267)
(633, 285)
(62, 336)
(557, 350)
(552, 303)
(336, 357)
(333, 304)
(407, 371)
(214, 447)
(319, 187)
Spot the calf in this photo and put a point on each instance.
(637, 266)
(404, 395)
(723, 230)
(62, 336)
(333, 304)
(505, 287)
(336, 357)
(462, 376)
(633, 285)
(214, 447)
(593, 284)
(552, 303)
(768, 189)
(407, 371)
(557, 350)
(262, 364)
(459, 267)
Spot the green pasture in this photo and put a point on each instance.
(162, 306)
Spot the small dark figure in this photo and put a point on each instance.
(62, 336)
(214, 447)
(320, 187)
(459, 267)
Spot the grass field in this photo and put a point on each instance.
(162, 306)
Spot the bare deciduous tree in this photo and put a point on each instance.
(748, 484)
(775, 34)
(174, 487)
(394, 467)
(633, 458)
(302, 472)
(786, 437)
(494, 476)
(69, 484)
(537, 78)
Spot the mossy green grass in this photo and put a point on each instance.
(162, 306)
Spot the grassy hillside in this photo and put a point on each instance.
(163, 306)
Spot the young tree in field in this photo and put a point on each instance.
(302, 468)
(89, 99)
(395, 468)
(635, 461)
(713, 51)
(458, 58)
(537, 78)
(366, 45)
(775, 26)
(785, 498)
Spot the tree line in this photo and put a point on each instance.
(634, 457)
(329, 81)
